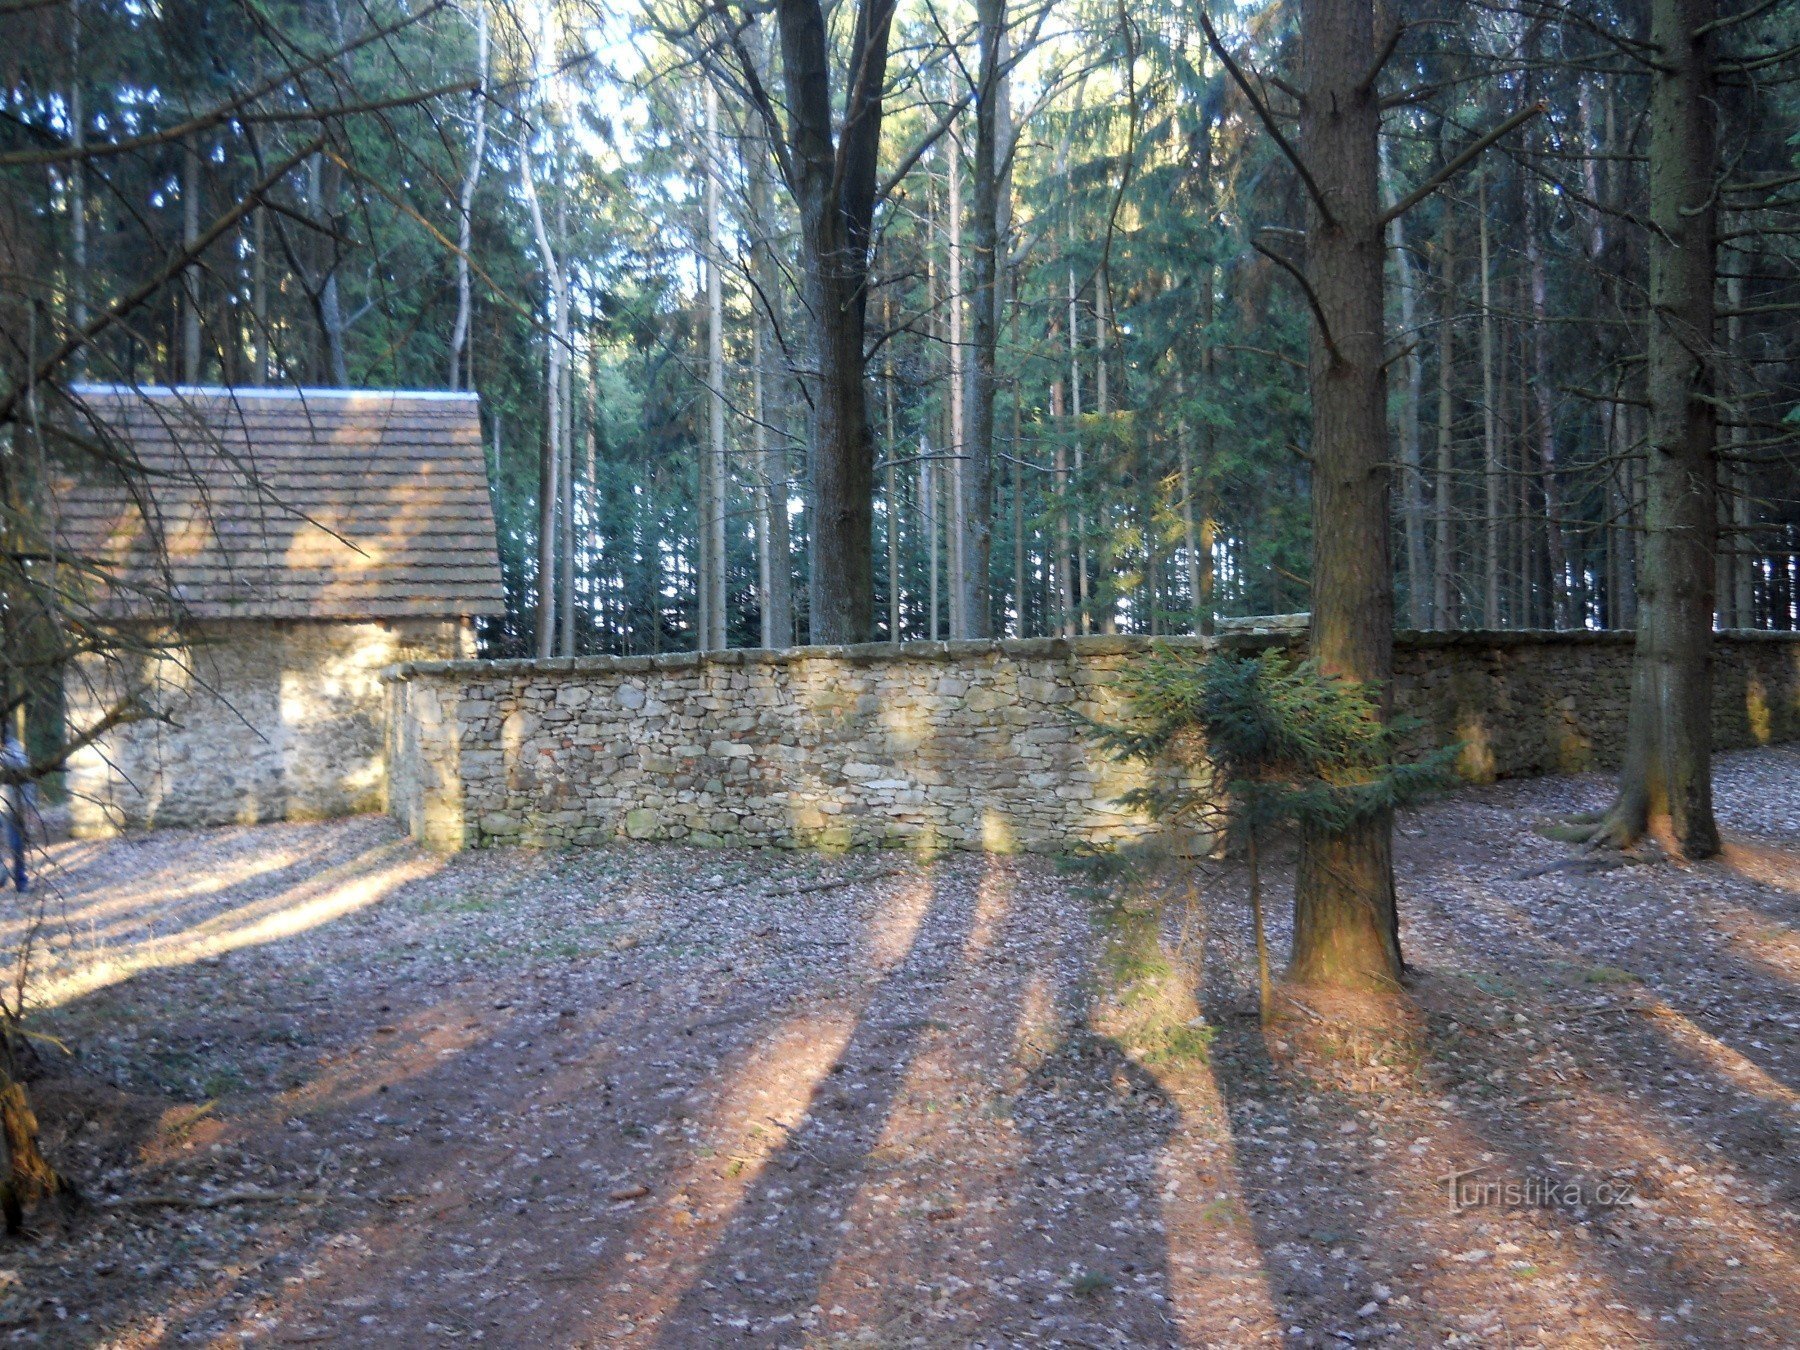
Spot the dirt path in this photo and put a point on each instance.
(657, 1096)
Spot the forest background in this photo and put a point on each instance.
(1086, 338)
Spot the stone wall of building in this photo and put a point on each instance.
(932, 745)
(267, 720)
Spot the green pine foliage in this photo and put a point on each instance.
(1286, 743)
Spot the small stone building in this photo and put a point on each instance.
(286, 546)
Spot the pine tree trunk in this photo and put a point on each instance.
(566, 564)
(1018, 519)
(190, 276)
(772, 458)
(1190, 533)
(891, 484)
(1666, 783)
(77, 171)
(549, 455)
(987, 236)
(465, 215)
(1062, 564)
(1560, 606)
(1492, 475)
(1737, 607)
(1443, 598)
(956, 526)
(1106, 567)
(1412, 493)
(259, 297)
(1084, 612)
(718, 471)
(1346, 927)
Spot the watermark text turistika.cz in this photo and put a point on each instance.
(1477, 1188)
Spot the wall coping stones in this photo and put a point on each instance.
(1044, 648)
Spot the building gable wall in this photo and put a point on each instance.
(266, 720)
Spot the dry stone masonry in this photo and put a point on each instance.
(940, 745)
(277, 719)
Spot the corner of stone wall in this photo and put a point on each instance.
(425, 789)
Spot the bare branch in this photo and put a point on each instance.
(1268, 118)
(1462, 161)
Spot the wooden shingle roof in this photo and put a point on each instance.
(290, 503)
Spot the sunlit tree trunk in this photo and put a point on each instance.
(465, 216)
(718, 471)
(1412, 488)
(891, 480)
(956, 524)
(1061, 566)
(550, 453)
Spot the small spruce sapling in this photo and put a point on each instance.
(1240, 745)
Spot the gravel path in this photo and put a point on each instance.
(327, 1089)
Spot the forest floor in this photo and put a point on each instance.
(327, 1089)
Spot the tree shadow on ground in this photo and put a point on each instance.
(1648, 1148)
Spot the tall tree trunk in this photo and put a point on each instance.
(928, 518)
(1443, 598)
(891, 482)
(956, 531)
(1190, 533)
(327, 179)
(1412, 487)
(190, 275)
(772, 450)
(1107, 565)
(259, 296)
(1018, 507)
(77, 171)
(718, 476)
(566, 478)
(703, 494)
(765, 486)
(834, 187)
(1560, 601)
(465, 216)
(1493, 477)
(550, 453)
(1083, 610)
(1737, 605)
(1062, 564)
(929, 474)
(1346, 926)
(1666, 783)
(988, 233)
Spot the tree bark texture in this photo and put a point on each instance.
(1346, 930)
(833, 179)
(986, 236)
(1666, 783)
(1412, 487)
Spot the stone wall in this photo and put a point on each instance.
(968, 744)
(268, 720)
